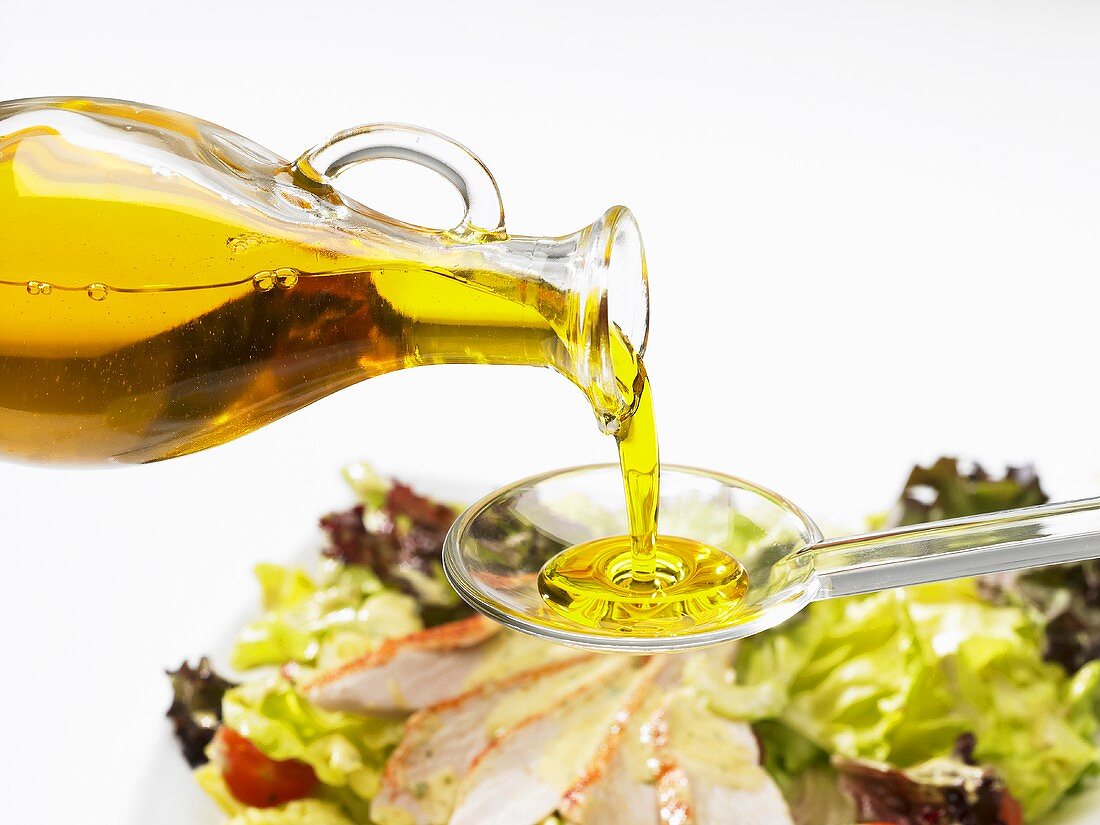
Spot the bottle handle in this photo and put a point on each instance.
(484, 209)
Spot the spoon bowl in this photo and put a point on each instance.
(495, 550)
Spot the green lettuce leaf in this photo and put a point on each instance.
(302, 812)
(320, 624)
(346, 751)
(899, 676)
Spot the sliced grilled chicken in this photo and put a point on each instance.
(620, 792)
(524, 774)
(405, 673)
(617, 786)
(515, 730)
(708, 771)
(441, 742)
(422, 669)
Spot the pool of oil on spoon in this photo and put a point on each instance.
(644, 584)
(693, 586)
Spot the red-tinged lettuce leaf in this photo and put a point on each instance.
(423, 512)
(405, 532)
(945, 791)
(508, 541)
(196, 710)
(401, 540)
(948, 490)
(398, 534)
(349, 541)
(1068, 599)
(1066, 596)
(1071, 600)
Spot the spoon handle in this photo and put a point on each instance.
(971, 546)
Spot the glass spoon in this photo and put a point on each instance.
(494, 551)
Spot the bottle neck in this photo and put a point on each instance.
(568, 303)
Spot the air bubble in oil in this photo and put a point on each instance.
(286, 277)
(264, 281)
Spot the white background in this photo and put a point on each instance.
(872, 232)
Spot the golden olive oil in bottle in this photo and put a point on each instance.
(167, 286)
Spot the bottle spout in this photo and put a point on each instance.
(614, 260)
(613, 311)
(592, 290)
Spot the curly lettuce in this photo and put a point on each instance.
(898, 677)
(302, 812)
(321, 623)
(299, 812)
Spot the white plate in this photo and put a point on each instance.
(171, 797)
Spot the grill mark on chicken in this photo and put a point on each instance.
(405, 673)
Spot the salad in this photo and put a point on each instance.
(367, 692)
